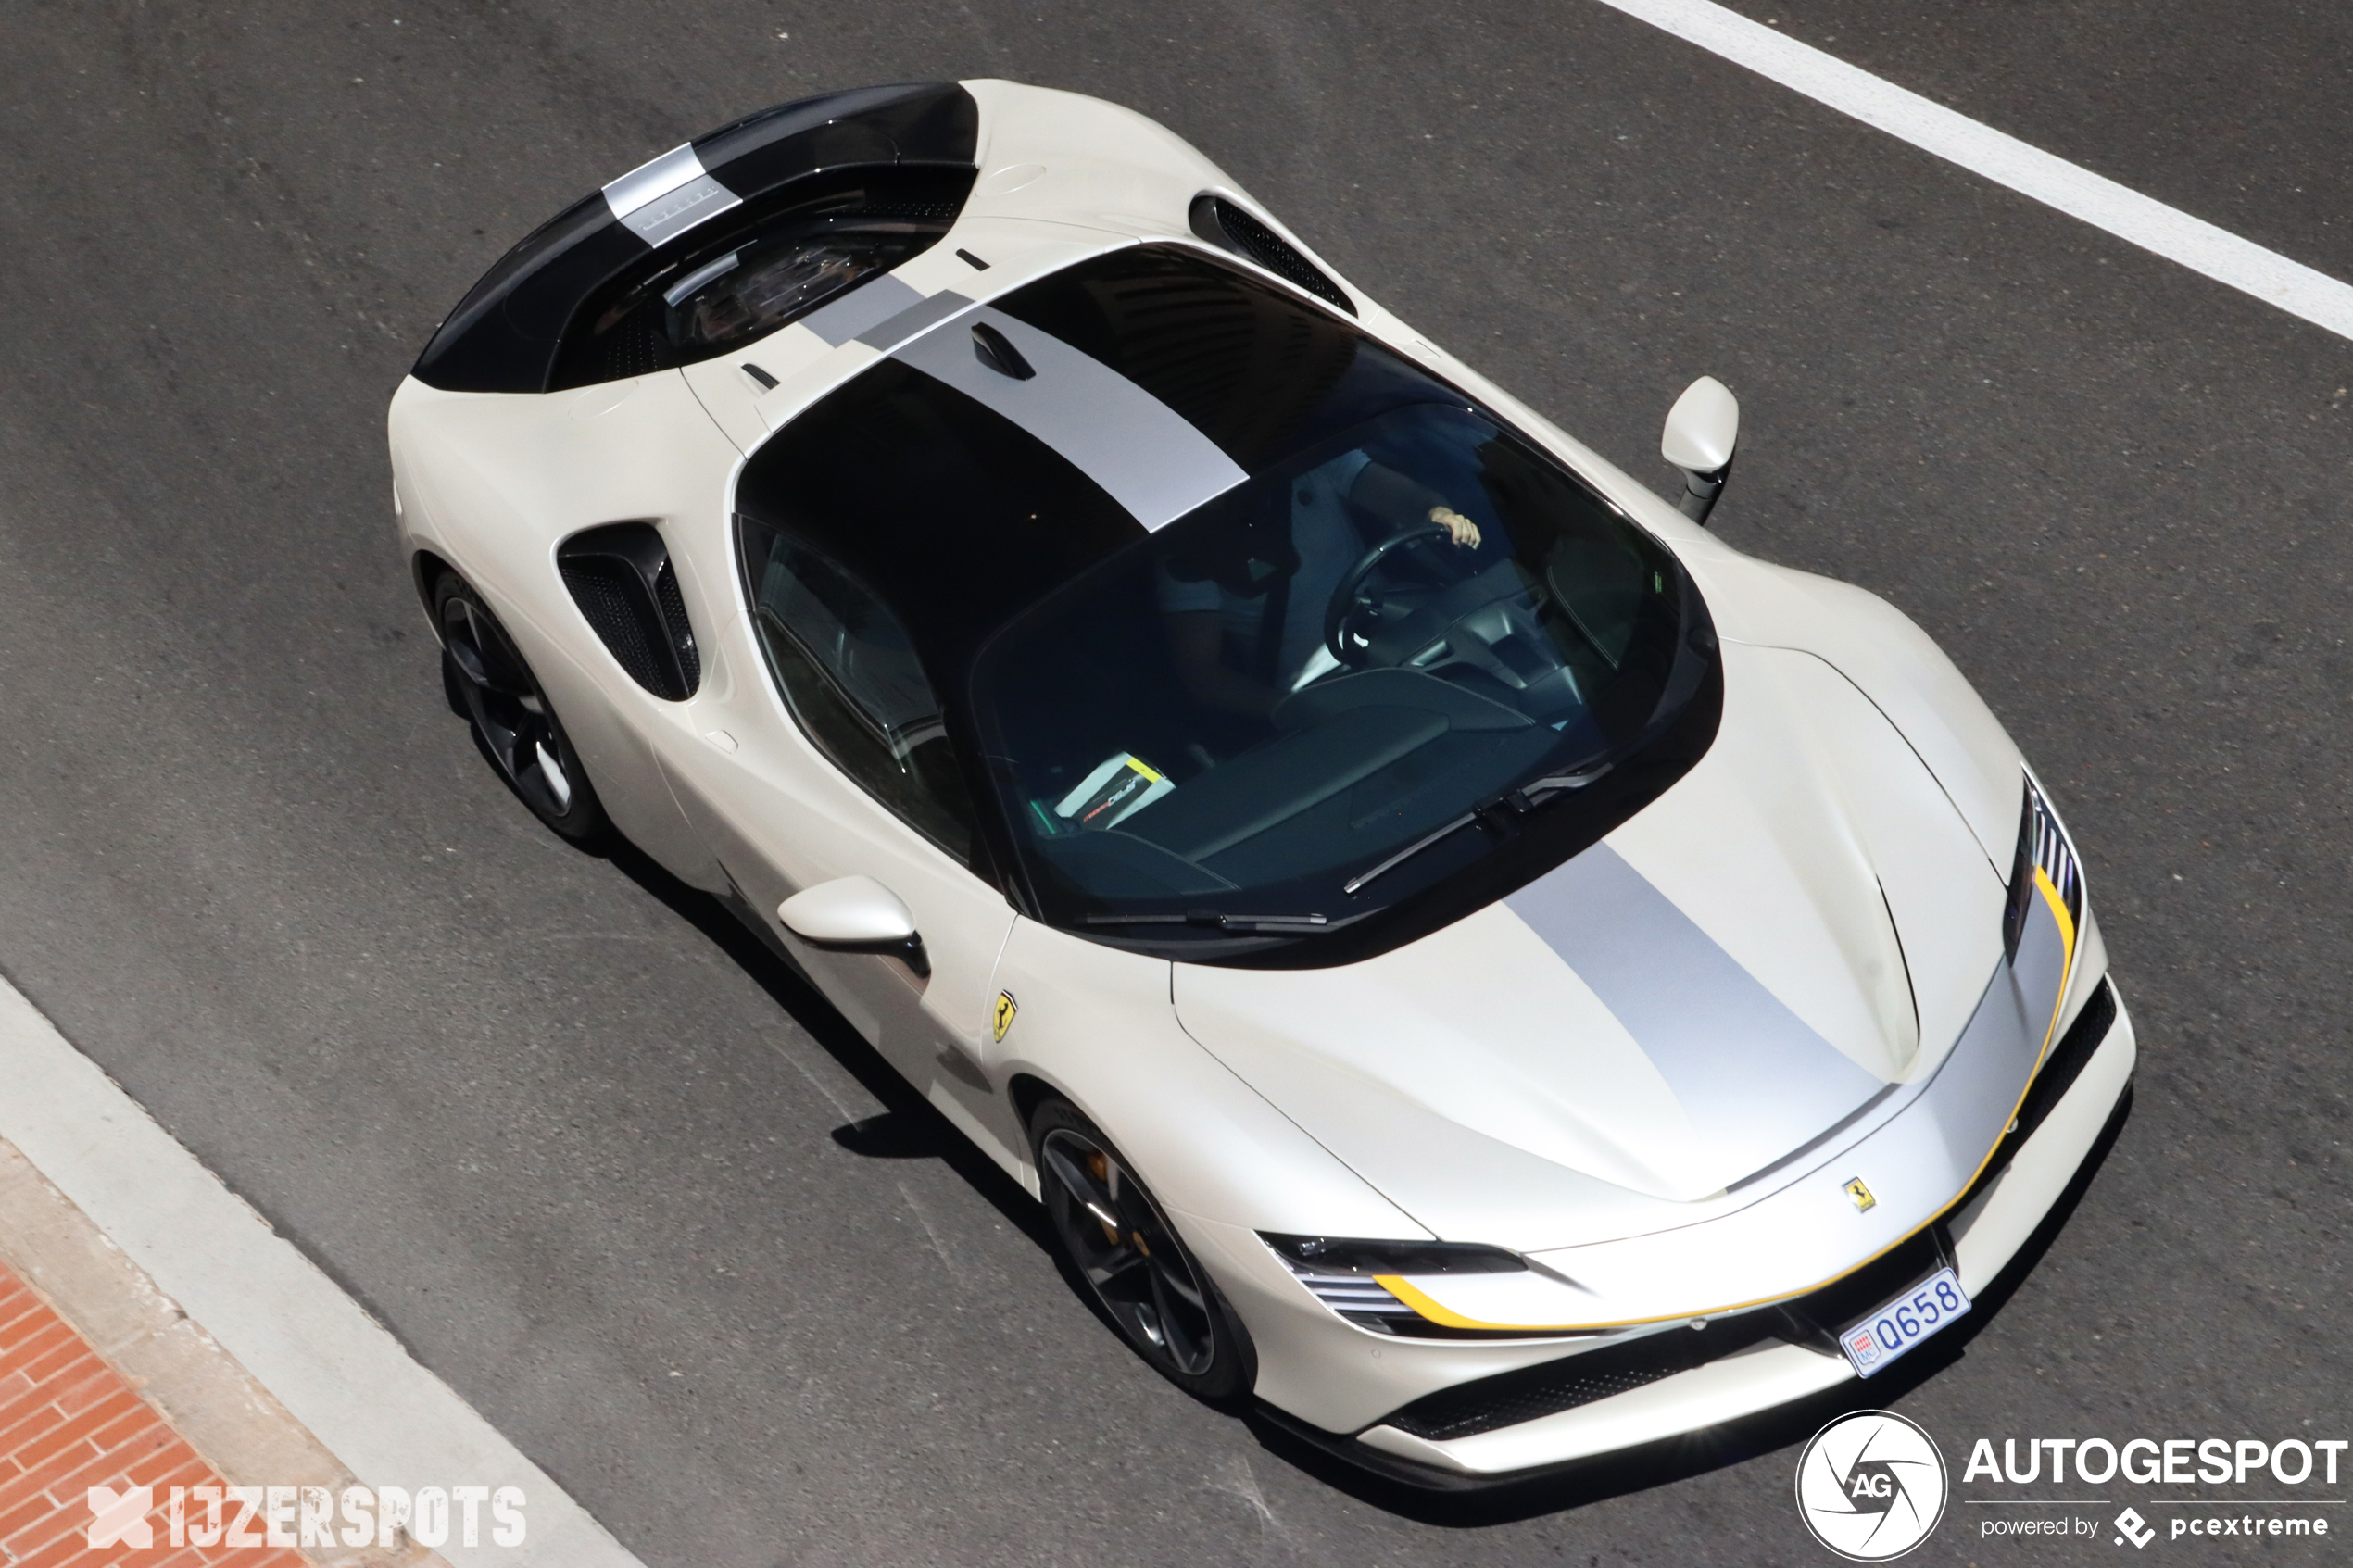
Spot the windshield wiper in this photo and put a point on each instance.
(1499, 811)
(1214, 921)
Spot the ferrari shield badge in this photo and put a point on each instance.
(1002, 1016)
(1864, 1201)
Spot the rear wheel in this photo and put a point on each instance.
(1132, 1261)
(489, 683)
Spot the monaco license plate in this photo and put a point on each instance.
(1903, 1323)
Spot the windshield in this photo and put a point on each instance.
(1331, 686)
(1388, 662)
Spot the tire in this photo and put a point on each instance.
(489, 684)
(1143, 1277)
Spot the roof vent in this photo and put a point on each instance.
(1231, 226)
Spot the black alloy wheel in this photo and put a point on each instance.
(1116, 1239)
(489, 683)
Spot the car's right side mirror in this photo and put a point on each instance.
(1701, 430)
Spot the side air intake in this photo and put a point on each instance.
(1231, 226)
(621, 578)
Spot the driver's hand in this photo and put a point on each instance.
(1465, 531)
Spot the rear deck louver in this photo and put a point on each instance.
(621, 578)
(1231, 226)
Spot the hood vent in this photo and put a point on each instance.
(621, 578)
(1231, 226)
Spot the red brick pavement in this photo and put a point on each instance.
(68, 1422)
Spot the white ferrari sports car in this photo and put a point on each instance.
(1465, 960)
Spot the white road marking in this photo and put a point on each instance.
(2079, 192)
(334, 1367)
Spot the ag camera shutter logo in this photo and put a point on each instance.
(1872, 1486)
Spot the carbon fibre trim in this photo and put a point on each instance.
(1549, 1387)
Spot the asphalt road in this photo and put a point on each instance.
(652, 1210)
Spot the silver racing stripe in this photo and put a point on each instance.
(1757, 1080)
(869, 305)
(655, 177)
(1950, 1122)
(1760, 1083)
(918, 317)
(667, 217)
(666, 197)
(2038, 972)
(1149, 457)
(1975, 1093)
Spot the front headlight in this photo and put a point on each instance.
(1344, 1273)
(2044, 868)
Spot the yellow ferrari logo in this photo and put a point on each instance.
(1001, 1017)
(1864, 1201)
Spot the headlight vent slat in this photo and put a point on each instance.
(1340, 1272)
(1361, 1301)
(2043, 844)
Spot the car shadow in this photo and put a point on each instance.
(908, 1127)
(1676, 1459)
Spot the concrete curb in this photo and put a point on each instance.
(171, 1361)
(281, 1339)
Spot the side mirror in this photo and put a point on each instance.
(855, 914)
(1701, 430)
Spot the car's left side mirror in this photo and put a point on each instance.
(1701, 430)
(855, 914)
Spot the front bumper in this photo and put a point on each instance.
(1538, 1409)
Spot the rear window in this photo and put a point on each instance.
(755, 272)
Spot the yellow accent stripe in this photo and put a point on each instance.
(1439, 1314)
(2058, 909)
(2066, 966)
(1436, 1312)
(1144, 770)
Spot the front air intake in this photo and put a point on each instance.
(1231, 226)
(621, 578)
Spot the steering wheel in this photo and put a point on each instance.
(1348, 601)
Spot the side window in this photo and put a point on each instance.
(849, 672)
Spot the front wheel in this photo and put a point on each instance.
(490, 683)
(1117, 1241)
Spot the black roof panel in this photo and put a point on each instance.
(505, 333)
